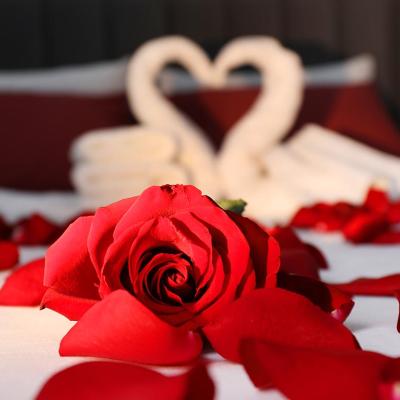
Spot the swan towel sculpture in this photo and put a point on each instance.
(274, 178)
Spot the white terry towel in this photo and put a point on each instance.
(317, 178)
(324, 147)
(319, 165)
(240, 162)
(100, 184)
(139, 143)
(114, 163)
(152, 108)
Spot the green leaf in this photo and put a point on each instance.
(237, 206)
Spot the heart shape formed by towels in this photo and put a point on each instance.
(280, 69)
(239, 162)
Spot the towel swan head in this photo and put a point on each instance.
(146, 101)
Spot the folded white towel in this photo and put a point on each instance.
(138, 143)
(326, 146)
(110, 164)
(319, 179)
(318, 165)
(100, 184)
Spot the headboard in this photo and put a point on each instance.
(46, 33)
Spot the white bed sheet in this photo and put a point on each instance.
(29, 338)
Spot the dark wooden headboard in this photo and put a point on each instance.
(45, 33)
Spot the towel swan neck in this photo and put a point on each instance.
(146, 101)
(271, 116)
(153, 109)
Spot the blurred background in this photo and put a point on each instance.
(63, 66)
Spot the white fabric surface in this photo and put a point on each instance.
(29, 338)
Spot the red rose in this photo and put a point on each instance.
(170, 253)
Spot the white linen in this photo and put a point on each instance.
(58, 206)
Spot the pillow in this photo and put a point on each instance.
(37, 130)
(355, 70)
(108, 77)
(100, 78)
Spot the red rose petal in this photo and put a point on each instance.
(24, 287)
(324, 217)
(102, 228)
(364, 227)
(394, 212)
(5, 229)
(388, 237)
(117, 381)
(278, 315)
(121, 328)
(377, 201)
(68, 266)
(71, 307)
(328, 298)
(264, 250)
(9, 255)
(298, 257)
(384, 286)
(318, 256)
(163, 201)
(314, 373)
(397, 294)
(36, 230)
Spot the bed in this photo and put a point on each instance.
(38, 34)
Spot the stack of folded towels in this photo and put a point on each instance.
(114, 163)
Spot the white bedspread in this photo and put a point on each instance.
(29, 338)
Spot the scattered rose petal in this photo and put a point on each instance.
(373, 221)
(328, 298)
(24, 287)
(297, 257)
(364, 227)
(35, 230)
(384, 286)
(315, 373)
(377, 200)
(9, 255)
(387, 237)
(397, 294)
(121, 328)
(117, 381)
(277, 315)
(324, 217)
(5, 229)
